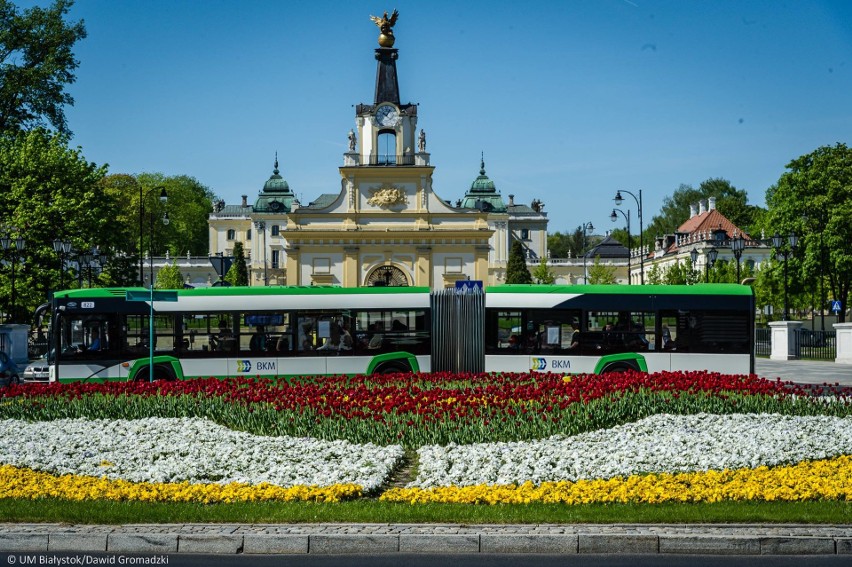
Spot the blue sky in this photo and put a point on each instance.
(569, 101)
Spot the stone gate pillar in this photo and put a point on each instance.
(783, 339)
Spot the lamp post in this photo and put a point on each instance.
(618, 200)
(142, 197)
(712, 254)
(588, 227)
(16, 254)
(783, 252)
(614, 217)
(91, 263)
(62, 249)
(737, 247)
(261, 227)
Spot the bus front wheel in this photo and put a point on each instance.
(619, 367)
(161, 373)
(392, 368)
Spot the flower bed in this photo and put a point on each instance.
(480, 438)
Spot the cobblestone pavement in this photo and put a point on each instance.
(804, 371)
(734, 539)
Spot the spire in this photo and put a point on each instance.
(482, 164)
(387, 84)
(275, 169)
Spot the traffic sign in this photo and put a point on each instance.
(836, 306)
(463, 286)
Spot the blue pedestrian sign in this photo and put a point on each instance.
(836, 306)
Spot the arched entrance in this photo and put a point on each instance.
(387, 276)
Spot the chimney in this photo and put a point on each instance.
(702, 207)
(711, 203)
(511, 200)
(245, 200)
(693, 210)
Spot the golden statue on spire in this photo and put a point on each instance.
(386, 24)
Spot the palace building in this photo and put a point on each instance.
(386, 225)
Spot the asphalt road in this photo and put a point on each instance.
(425, 560)
(805, 371)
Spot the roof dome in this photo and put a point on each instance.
(482, 182)
(276, 196)
(276, 183)
(483, 195)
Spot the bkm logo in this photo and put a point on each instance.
(539, 364)
(244, 366)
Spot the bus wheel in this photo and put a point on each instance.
(392, 368)
(619, 367)
(161, 373)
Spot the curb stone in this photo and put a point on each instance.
(325, 539)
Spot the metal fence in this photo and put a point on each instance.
(762, 342)
(816, 345)
(811, 345)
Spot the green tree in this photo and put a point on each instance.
(601, 273)
(123, 268)
(49, 191)
(730, 201)
(559, 245)
(169, 277)
(188, 204)
(238, 273)
(813, 199)
(516, 269)
(36, 64)
(542, 275)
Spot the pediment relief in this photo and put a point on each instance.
(386, 196)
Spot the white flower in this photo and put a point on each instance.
(190, 449)
(660, 443)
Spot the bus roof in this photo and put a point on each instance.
(697, 289)
(243, 291)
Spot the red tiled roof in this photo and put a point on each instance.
(709, 221)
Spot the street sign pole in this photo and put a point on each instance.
(150, 297)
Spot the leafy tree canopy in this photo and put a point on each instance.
(36, 64)
(516, 269)
(169, 277)
(730, 201)
(813, 199)
(601, 273)
(542, 275)
(49, 191)
(238, 273)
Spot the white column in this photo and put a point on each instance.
(782, 336)
(844, 343)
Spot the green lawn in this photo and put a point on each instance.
(371, 511)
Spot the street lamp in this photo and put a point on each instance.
(784, 253)
(165, 221)
(618, 199)
(588, 227)
(91, 263)
(737, 247)
(17, 254)
(614, 217)
(261, 227)
(142, 197)
(712, 254)
(63, 250)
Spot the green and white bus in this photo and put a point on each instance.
(277, 332)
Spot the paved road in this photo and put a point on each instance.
(805, 371)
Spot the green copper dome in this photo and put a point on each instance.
(275, 197)
(483, 195)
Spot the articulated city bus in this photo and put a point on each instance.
(275, 332)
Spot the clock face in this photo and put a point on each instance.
(387, 116)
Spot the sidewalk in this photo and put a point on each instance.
(327, 539)
(804, 371)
